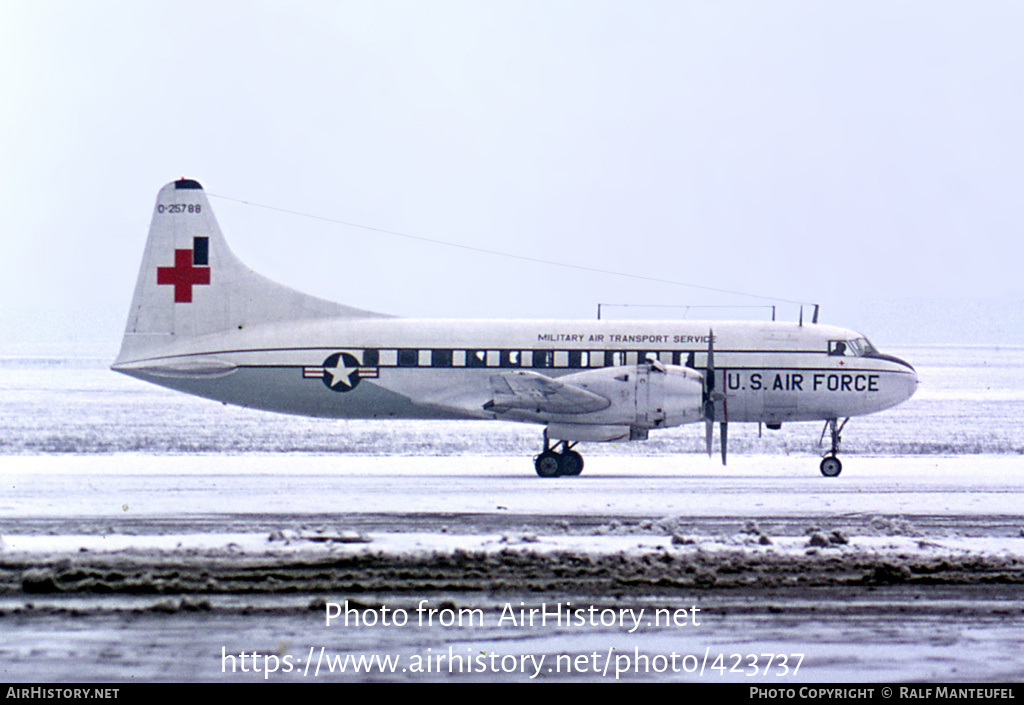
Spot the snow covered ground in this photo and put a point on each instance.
(142, 532)
(140, 485)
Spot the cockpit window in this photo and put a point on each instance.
(858, 347)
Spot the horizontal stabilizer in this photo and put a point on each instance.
(196, 368)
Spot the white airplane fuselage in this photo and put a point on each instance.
(441, 369)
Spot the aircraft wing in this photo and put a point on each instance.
(530, 390)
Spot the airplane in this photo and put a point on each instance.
(203, 323)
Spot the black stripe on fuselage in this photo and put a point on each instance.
(683, 353)
(718, 370)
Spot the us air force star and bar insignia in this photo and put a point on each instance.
(340, 372)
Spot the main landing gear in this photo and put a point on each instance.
(830, 465)
(557, 463)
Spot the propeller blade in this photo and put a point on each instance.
(709, 395)
(709, 384)
(711, 361)
(725, 439)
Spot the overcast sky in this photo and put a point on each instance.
(864, 155)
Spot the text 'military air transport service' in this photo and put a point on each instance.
(202, 322)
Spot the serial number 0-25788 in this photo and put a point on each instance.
(179, 208)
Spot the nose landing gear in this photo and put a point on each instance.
(830, 466)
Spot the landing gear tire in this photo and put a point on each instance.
(548, 464)
(831, 467)
(571, 463)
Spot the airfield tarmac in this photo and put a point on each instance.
(130, 567)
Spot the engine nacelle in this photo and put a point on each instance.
(642, 397)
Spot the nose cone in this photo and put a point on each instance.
(908, 375)
(911, 382)
(903, 383)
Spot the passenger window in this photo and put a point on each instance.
(614, 358)
(577, 358)
(441, 358)
(408, 358)
(476, 358)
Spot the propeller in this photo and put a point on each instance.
(711, 397)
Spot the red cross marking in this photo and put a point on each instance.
(183, 276)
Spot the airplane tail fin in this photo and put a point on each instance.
(191, 284)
